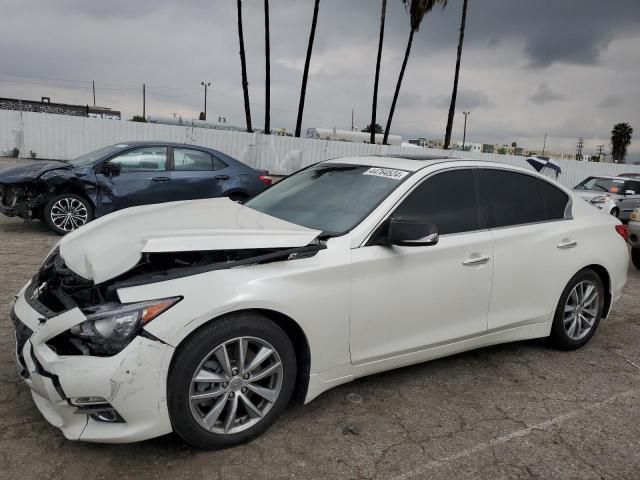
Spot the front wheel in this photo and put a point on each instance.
(66, 212)
(230, 381)
(578, 312)
(635, 257)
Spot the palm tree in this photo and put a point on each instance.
(454, 94)
(620, 140)
(375, 83)
(243, 64)
(303, 89)
(267, 80)
(417, 10)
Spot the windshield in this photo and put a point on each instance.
(330, 197)
(89, 158)
(599, 184)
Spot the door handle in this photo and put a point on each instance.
(476, 259)
(160, 179)
(567, 243)
(222, 177)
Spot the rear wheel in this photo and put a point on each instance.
(238, 197)
(578, 312)
(66, 212)
(635, 257)
(230, 381)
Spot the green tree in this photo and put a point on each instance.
(376, 129)
(305, 74)
(375, 83)
(454, 94)
(243, 65)
(417, 10)
(620, 141)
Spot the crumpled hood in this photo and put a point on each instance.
(113, 244)
(27, 171)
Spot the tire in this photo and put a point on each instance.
(615, 212)
(207, 424)
(563, 336)
(55, 208)
(635, 257)
(238, 197)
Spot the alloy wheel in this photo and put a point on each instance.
(581, 310)
(69, 213)
(235, 385)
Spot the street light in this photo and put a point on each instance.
(205, 85)
(464, 134)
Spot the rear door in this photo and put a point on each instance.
(535, 249)
(629, 201)
(197, 174)
(142, 179)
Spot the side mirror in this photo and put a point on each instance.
(629, 192)
(111, 169)
(412, 233)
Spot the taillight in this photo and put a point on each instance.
(623, 231)
(266, 179)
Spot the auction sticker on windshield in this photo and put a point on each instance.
(387, 173)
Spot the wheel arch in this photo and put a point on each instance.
(291, 328)
(75, 190)
(603, 273)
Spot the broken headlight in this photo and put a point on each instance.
(110, 327)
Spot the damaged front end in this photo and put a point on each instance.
(110, 325)
(23, 200)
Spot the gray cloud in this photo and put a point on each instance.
(611, 101)
(466, 100)
(545, 94)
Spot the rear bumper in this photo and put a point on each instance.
(133, 382)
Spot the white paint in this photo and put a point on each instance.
(65, 137)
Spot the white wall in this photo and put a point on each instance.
(66, 137)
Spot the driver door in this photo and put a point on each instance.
(406, 299)
(142, 179)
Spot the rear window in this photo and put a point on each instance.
(555, 200)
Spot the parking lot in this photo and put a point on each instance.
(521, 410)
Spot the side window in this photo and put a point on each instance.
(512, 198)
(185, 159)
(635, 186)
(448, 200)
(145, 159)
(555, 200)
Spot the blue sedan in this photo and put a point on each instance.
(68, 194)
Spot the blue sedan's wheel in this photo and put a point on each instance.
(67, 212)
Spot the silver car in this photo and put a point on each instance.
(618, 195)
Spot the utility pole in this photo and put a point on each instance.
(464, 134)
(579, 147)
(544, 145)
(205, 85)
(352, 120)
(144, 102)
(600, 152)
(93, 85)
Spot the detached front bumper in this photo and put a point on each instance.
(69, 390)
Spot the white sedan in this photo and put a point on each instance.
(208, 317)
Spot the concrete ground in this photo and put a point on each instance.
(520, 410)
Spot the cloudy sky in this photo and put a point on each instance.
(564, 67)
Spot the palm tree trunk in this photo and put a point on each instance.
(243, 63)
(303, 88)
(375, 83)
(454, 94)
(267, 80)
(398, 85)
